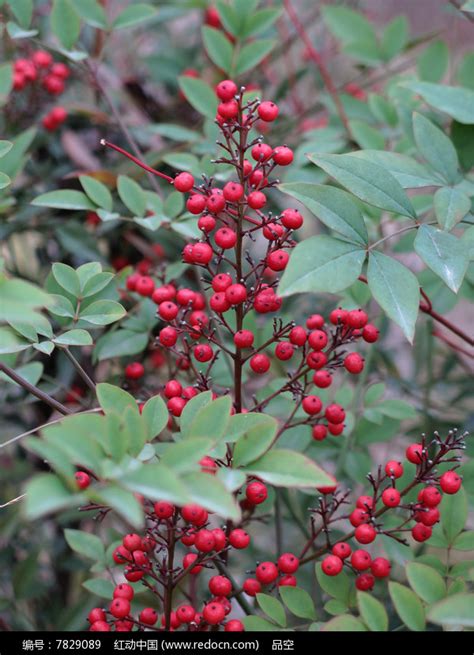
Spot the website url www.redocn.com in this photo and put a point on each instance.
(210, 644)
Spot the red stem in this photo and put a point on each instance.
(135, 160)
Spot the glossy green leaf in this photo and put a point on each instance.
(394, 37)
(199, 95)
(425, 582)
(22, 10)
(212, 419)
(344, 623)
(372, 612)
(433, 62)
(298, 601)
(218, 47)
(322, 263)
(456, 101)
(64, 199)
(252, 54)
(67, 278)
(333, 207)
(456, 611)
(123, 502)
(95, 284)
(272, 608)
(337, 586)
(396, 290)
(114, 399)
(100, 587)
(347, 24)
(367, 181)
(97, 192)
(74, 338)
(287, 468)
(451, 206)
(45, 493)
(65, 22)
(6, 82)
(184, 456)
(209, 491)
(85, 543)
(464, 541)
(155, 414)
(132, 195)
(102, 312)
(436, 148)
(156, 482)
(133, 15)
(259, 21)
(255, 441)
(120, 343)
(91, 12)
(257, 624)
(453, 510)
(409, 173)
(445, 254)
(408, 606)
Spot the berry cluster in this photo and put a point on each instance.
(40, 71)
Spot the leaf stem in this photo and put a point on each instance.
(31, 388)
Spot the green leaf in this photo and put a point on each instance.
(425, 582)
(184, 456)
(99, 587)
(272, 608)
(210, 492)
(433, 62)
(85, 543)
(74, 338)
(91, 13)
(344, 623)
(132, 195)
(383, 111)
(372, 612)
(333, 207)
(287, 468)
(62, 306)
(457, 610)
(5, 147)
(113, 399)
(23, 11)
(453, 510)
(255, 441)
(455, 101)
(155, 414)
(133, 15)
(394, 37)
(259, 21)
(11, 342)
(464, 541)
(436, 148)
(252, 54)
(102, 312)
(367, 181)
(336, 586)
(120, 343)
(212, 419)
(298, 601)
(396, 290)
(257, 624)
(451, 206)
(156, 482)
(6, 81)
(407, 171)
(199, 95)
(218, 47)
(64, 199)
(444, 253)
(95, 284)
(17, 32)
(4, 181)
(45, 493)
(97, 192)
(67, 278)
(397, 409)
(408, 606)
(346, 24)
(366, 136)
(322, 263)
(65, 22)
(123, 502)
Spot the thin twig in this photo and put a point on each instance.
(41, 395)
(87, 379)
(12, 501)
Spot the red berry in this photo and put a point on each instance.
(283, 156)
(365, 502)
(188, 562)
(173, 388)
(121, 555)
(357, 318)
(414, 453)
(421, 532)
(267, 111)
(183, 182)
(58, 115)
(312, 405)
(194, 514)
(148, 616)
(252, 587)
(284, 351)
(292, 219)
(287, 581)
(228, 110)
(450, 482)
(317, 340)
(370, 333)
(60, 70)
(430, 496)
(365, 534)
(277, 260)
(298, 336)
(236, 294)
(176, 405)
(120, 608)
(380, 567)
(219, 303)
(266, 572)
(361, 560)
(335, 413)
(260, 363)
(316, 360)
(256, 199)
(53, 84)
(202, 253)
(163, 294)
(163, 509)
(226, 90)
(239, 539)
(196, 203)
(219, 585)
(394, 469)
(134, 371)
(213, 613)
(124, 591)
(391, 497)
(427, 516)
(42, 59)
(221, 282)
(132, 542)
(365, 582)
(220, 538)
(234, 626)
(204, 541)
(83, 479)
(272, 231)
(215, 204)
(332, 565)
(336, 428)
(354, 363)
(338, 316)
(244, 339)
(341, 550)
(168, 310)
(185, 613)
(358, 517)
(261, 152)
(100, 626)
(319, 432)
(225, 238)
(233, 191)
(256, 493)
(208, 465)
(288, 563)
(168, 336)
(96, 614)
